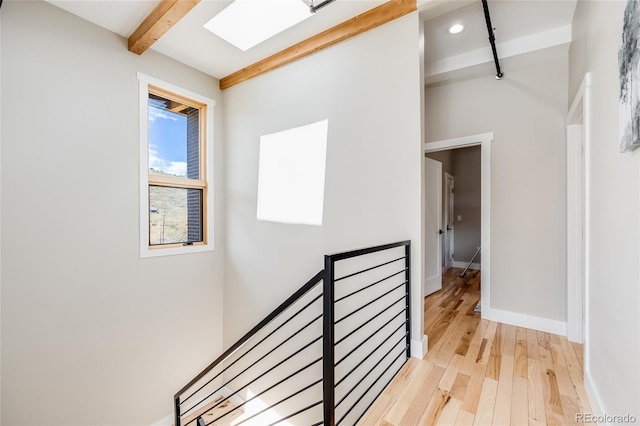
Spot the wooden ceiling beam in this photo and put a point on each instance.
(366, 21)
(165, 15)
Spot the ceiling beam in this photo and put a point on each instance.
(165, 15)
(366, 21)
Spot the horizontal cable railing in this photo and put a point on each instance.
(369, 337)
(343, 335)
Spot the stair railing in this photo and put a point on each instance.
(320, 358)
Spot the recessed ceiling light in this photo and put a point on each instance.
(455, 28)
(246, 23)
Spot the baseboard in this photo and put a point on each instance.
(431, 286)
(419, 347)
(457, 264)
(527, 321)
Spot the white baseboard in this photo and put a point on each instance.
(527, 321)
(419, 347)
(457, 264)
(432, 285)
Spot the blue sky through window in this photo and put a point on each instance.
(167, 140)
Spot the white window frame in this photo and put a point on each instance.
(208, 217)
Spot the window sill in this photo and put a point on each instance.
(146, 252)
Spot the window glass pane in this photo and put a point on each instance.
(175, 215)
(174, 138)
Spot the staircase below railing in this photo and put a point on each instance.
(320, 358)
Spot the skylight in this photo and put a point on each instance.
(246, 23)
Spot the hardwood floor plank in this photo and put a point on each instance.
(579, 351)
(519, 404)
(471, 356)
(459, 387)
(535, 393)
(411, 370)
(422, 399)
(568, 394)
(493, 367)
(532, 344)
(553, 405)
(486, 404)
(465, 418)
(451, 373)
(521, 353)
(450, 412)
(465, 341)
(487, 343)
(436, 332)
(474, 388)
(509, 348)
(408, 393)
(448, 347)
(435, 408)
(502, 412)
(571, 407)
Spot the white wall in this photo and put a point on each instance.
(526, 111)
(372, 191)
(466, 169)
(91, 333)
(0, 211)
(613, 330)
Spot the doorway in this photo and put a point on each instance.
(434, 246)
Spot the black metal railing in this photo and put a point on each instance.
(322, 357)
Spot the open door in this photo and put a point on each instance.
(433, 223)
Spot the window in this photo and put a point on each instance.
(175, 174)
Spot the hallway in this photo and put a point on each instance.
(481, 372)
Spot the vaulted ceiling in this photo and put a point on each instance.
(522, 27)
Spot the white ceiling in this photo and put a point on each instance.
(190, 43)
(521, 26)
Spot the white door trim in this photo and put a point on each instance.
(484, 140)
(578, 236)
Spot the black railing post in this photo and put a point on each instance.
(177, 410)
(328, 355)
(407, 254)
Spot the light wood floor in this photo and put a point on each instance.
(480, 372)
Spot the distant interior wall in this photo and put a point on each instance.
(466, 169)
(526, 111)
(464, 165)
(91, 333)
(613, 329)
